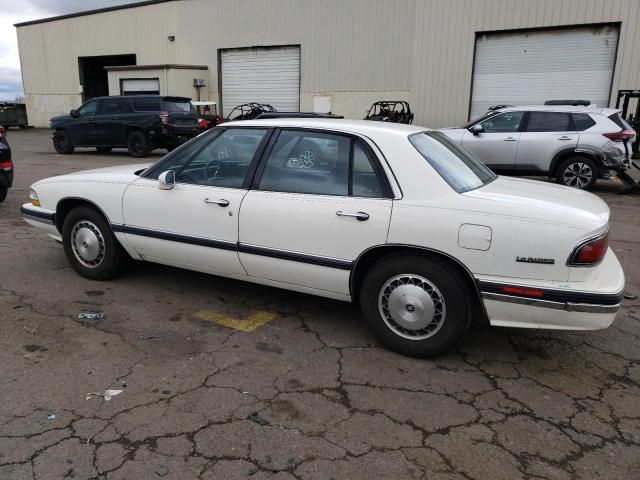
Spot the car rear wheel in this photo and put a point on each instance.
(138, 144)
(103, 149)
(3, 193)
(415, 305)
(577, 172)
(62, 142)
(90, 246)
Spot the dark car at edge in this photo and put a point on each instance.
(6, 165)
(139, 123)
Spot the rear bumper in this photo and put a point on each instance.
(574, 306)
(184, 131)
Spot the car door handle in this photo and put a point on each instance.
(564, 138)
(362, 216)
(222, 202)
(510, 139)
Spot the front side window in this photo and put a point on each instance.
(549, 122)
(461, 170)
(224, 161)
(503, 123)
(320, 164)
(88, 109)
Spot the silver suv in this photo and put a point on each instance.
(575, 145)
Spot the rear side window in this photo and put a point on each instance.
(618, 120)
(146, 104)
(549, 122)
(177, 106)
(582, 121)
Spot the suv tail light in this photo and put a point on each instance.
(3, 132)
(164, 118)
(626, 134)
(590, 252)
(6, 166)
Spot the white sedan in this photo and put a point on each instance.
(395, 217)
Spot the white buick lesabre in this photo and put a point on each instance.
(395, 217)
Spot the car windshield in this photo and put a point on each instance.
(480, 119)
(178, 106)
(461, 170)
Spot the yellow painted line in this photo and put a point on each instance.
(248, 324)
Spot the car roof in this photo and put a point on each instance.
(364, 127)
(163, 97)
(561, 108)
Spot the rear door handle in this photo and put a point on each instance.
(222, 202)
(564, 138)
(362, 216)
(510, 139)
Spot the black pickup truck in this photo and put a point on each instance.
(139, 123)
(6, 166)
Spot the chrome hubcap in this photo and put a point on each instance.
(87, 244)
(578, 175)
(412, 306)
(306, 159)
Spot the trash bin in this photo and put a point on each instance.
(13, 114)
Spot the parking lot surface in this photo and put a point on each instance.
(223, 380)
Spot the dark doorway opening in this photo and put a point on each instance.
(93, 76)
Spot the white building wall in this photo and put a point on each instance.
(356, 51)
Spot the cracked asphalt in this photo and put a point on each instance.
(309, 394)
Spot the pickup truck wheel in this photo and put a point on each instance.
(62, 142)
(415, 305)
(577, 172)
(90, 246)
(3, 193)
(138, 144)
(103, 149)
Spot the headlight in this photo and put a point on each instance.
(33, 196)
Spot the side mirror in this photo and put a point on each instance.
(167, 180)
(476, 129)
(74, 113)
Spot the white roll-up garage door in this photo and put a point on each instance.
(137, 86)
(527, 68)
(263, 75)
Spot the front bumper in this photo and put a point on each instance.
(41, 218)
(569, 306)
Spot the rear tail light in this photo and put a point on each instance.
(164, 118)
(590, 253)
(3, 132)
(6, 166)
(626, 134)
(203, 123)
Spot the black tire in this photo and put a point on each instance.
(450, 301)
(103, 149)
(3, 193)
(62, 142)
(110, 259)
(138, 144)
(577, 172)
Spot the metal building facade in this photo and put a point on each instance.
(353, 51)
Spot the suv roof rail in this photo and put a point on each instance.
(262, 116)
(573, 103)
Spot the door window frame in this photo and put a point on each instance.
(383, 180)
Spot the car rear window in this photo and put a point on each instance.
(178, 106)
(582, 121)
(146, 104)
(461, 170)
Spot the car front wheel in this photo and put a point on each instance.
(62, 142)
(90, 246)
(138, 144)
(577, 172)
(415, 305)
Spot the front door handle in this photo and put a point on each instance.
(362, 216)
(564, 138)
(222, 202)
(510, 139)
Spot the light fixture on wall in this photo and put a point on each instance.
(171, 38)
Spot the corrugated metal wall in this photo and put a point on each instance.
(353, 50)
